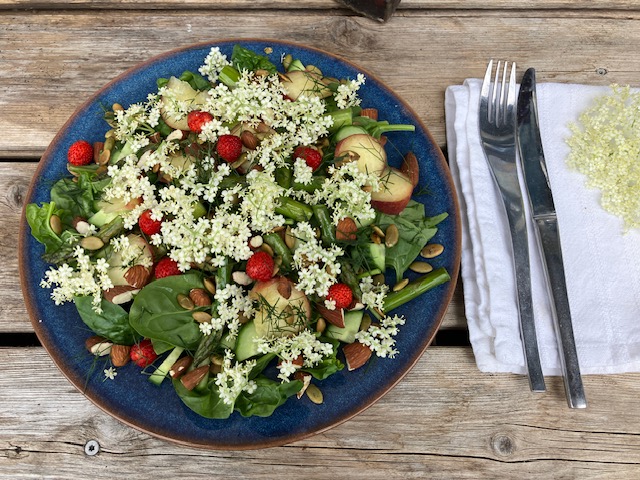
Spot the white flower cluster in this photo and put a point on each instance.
(214, 62)
(234, 378)
(373, 295)
(380, 338)
(110, 373)
(139, 116)
(129, 254)
(347, 93)
(318, 267)
(232, 303)
(260, 199)
(288, 349)
(343, 192)
(302, 173)
(88, 279)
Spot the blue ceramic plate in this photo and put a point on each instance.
(131, 397)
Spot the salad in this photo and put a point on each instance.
(232, 231)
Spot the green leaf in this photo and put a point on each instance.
(197, 81)
(415, 231)
(112, 323)
(156, 314)
(205, 402)
(75, 199)
(38, 219)
(244, 59)
(329, 364)
(268, 396)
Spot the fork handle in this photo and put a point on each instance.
(520, 245)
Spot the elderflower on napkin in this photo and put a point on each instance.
(602, 263)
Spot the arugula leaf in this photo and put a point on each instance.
(269, 395)
(156, 314)
(112, 323)
(415, 231)
(205, 402)
(38, 219)
(243, 59)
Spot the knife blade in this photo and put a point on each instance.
(543, 210)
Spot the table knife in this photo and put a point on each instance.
(546, 233)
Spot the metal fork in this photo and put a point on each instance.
(498, 137)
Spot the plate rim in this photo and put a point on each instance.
(415, 356)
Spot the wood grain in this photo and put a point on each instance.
(53, 61)
(444, 420)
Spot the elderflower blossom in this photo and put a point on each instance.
(343, 192)
(130, 254)
(260, 200)
(213, 64)
(347, 94)
(110, 373)
(318, 267)
(288, 349)
(232, 303)
(373, 295)
(89, 279)
(234, 378)
(302, 173)
(138, 116)
(606, 148)
(380, 338)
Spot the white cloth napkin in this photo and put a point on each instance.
(602, 264)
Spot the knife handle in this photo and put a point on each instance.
(549, 241)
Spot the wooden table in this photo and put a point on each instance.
(445, 419)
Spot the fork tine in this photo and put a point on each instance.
(486, 87)
(511, 97)
(494, 112)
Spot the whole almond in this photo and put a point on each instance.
(356, 354)
(120, 355)
(346, 229)
(192, 379)
(249, 140)
(137, 276)
(180, 367)
(200, 297)
(98, 345)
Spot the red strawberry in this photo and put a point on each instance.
(260, 266)
(148, 225)
(142, 354)
(341, 294)
(309, 155)
(80, 153)
(196, 120)
(167, 267)
(229, 148)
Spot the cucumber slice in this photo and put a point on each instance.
(245, 346)
(347, 334)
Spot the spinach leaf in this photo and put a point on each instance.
(75, 199)
(266, 398)
(261, 363)
(205, 402)
(38, 219)
(156, 314)
(244, 59)
(415, 231)
(112, 323)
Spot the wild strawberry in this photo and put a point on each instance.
(260, 266)
(142, 354)
(341, 294)
(80, 153)
(148, 225)
(167, 267)
(229, 148)
(196, 120)
(309, 155)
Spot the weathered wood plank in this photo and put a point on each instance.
(14, 183)
(318, 4)
(444, 420)
(53, 61)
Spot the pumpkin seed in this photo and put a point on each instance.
(376, 239)
(392, 235)
(401, 284)
(378, 231)
(201, 317)
(286, 61)
(432, 250)
(321, 324)
(314, 394)
(210, 285)
(185, 302)
(289, 239)
(91, 243)
(116, 107)
(56, 224)
(420, 267)
(104, 157)
(265, 247)
(365, 323)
